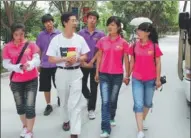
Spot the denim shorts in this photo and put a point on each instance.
(25, 97)
(143, 92)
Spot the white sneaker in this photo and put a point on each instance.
(29, 135)
(145, 127)
(24, 132)
(104, 134)
(91, 115)
(112, 123)
(140, 134)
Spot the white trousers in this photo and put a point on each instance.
(69, 86)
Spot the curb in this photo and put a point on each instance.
(5, 74)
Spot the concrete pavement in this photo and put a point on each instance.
(170, 117)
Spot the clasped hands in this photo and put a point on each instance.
(87, 65)
(71, 60)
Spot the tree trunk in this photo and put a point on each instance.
(9, 7)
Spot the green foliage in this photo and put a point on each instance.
(57, 21)
(105, 11)
(65, 6)
(33, 24)
(164, 14)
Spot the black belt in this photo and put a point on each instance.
(69, 68)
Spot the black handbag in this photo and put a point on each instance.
(163, 79)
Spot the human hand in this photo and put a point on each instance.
(126, 80)
(87, 65)
(25, 66)
(158, 84)
(96, 77)
(70, 60)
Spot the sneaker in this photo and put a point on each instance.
(145, 127)
(58, 101)
(104, 134)
(91, 115)
(48, 110)
(23, 133)
(140, 135)
(112, 123)
(29, 135)
(66, 126)
(73, 136)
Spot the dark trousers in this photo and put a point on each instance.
(89, 94)
(46, 74)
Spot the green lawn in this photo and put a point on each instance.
(3, 70)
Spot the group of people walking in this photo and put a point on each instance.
(68, 58)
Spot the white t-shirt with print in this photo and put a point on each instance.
(74, 46)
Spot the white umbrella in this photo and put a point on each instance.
(137, 21)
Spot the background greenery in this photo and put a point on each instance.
(164, 15)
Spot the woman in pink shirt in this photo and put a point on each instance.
(145, 66)
(109, 71)
(24, 80)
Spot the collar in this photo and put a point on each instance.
(146, 45)
(86, 30)
(113, 40)
(19, 45)
(53, 32)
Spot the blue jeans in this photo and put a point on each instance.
(143, 92)
(110, 85)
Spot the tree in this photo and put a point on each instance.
(105, 11)
(12, 11)
(162, 13)
(65, 6)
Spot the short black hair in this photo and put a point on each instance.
(93, 13)
(16, 26)
(114, 19)
(66, 16)
(117, 21)
(46, 18)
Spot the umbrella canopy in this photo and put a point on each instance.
(137, 21)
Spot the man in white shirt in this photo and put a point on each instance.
(68, 50)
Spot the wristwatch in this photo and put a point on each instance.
(21, 66)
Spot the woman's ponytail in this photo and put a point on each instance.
(153, 34)
(120, 32)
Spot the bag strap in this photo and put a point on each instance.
(155, 54)
(19, 58)
(134, 50)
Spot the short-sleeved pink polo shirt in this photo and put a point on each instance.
(144, 66)
(10, 51)
(113, 52)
